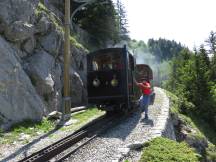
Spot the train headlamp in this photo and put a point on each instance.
(96, 82)
(114, 81)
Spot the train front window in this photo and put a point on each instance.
(107, 62)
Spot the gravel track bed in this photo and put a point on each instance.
(110, 146)
(114, 144)
(17, 150)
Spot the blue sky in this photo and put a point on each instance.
(185, 21)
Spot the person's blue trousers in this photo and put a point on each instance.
(144, 103)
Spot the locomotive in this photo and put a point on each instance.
(110, 83)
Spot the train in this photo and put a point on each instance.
(110, 83)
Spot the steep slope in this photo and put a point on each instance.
(31, 51)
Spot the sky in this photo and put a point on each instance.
(186, 21)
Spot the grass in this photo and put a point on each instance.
(27, 127)
(165, 150)
(32, 129)
(83, 118)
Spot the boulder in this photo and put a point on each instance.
(39, 67)
(19, 31)
(18, 98)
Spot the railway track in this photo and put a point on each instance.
(74, 141)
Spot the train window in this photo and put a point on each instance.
(106, 62)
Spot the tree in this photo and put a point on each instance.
(164, 49)
(100, 20)
(211, 42)
(123, 23)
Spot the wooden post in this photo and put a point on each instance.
(67, 100)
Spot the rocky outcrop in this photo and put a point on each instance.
(31, 75)
(18, 97)
(185, 132)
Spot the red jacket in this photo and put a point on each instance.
(145, 87)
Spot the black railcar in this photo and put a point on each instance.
(109, 79)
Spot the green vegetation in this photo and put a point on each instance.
(101, 21)
(74, 42)
(190, 79)
(175, 104)
(160, 50)
(157, 54)
(83, 118)
(165, 150)
(201, 129)
(164, 49)
(31, 129)
(41, 9)
(27, 127)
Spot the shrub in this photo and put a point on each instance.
(165, 150)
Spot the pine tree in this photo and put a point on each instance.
(100, 20)
(211, 42)
(123, 22)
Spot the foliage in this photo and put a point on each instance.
(162, 149)
(201, 128)
(190, 80)
(41, 9)
(122, 18)
(75, 43)
(100, 20)
(211, 153)
(164, 49)
(211, 42)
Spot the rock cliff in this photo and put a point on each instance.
(31, 61)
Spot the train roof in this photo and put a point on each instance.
(107, 50)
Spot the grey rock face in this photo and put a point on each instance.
(77, 88)
(19, 100)
(19, 31)
(29, 45)
(39, 69)
(36, 43)
(80, 62)
(17, 10)
(52, 42)
(43, 25)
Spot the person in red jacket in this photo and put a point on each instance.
(145, 87)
